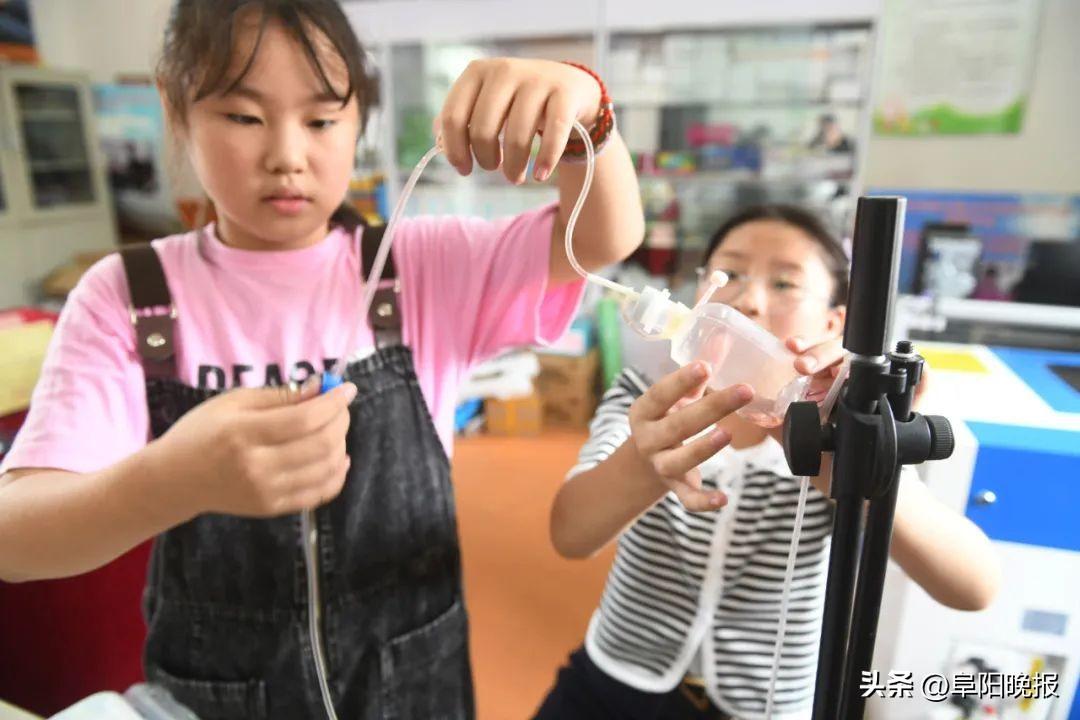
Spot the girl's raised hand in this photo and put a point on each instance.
(663, 425)
(514, 98)
(820, 360)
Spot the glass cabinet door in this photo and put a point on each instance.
(53, 131)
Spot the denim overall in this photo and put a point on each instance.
(227, 599)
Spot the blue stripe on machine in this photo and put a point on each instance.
(1033, 367)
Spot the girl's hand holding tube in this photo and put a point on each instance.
(497, 106)
(256, 452)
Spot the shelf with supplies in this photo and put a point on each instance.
(721, 116)
(736, 104)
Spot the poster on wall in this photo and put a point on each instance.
(955, 67)
(131, 128)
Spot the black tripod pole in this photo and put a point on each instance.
(852, 461)
(910, 439)
(875, 551)
(874, 270)
(872, 433)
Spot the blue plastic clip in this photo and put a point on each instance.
(329, 382)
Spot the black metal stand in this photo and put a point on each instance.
(871, 433)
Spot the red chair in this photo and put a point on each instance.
(62, 640)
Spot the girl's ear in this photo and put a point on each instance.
(836, 318)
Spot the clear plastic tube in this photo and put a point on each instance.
(793, 549)
(337, 372)
(568, 239)
(395, 217)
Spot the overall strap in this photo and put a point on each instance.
(384, 314)
(152, 311)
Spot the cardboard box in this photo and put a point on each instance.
(521, 416)
(63, 279)
(566, 372)
(570, 410)
(568, 388)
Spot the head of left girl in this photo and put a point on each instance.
(269, 98)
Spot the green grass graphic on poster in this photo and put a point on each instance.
(944, 119)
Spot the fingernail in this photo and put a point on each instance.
(717, 500)
(309, 383)
(541, 172)
(798, 342)
(350, 391)
(810, 363)
(744, 393)
(720, 438)
(701, 371)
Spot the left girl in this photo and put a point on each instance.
(131, 436)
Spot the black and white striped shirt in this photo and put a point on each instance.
(705, 587)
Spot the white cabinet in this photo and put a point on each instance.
(54, 201)
(1013, 474)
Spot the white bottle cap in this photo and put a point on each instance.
(655, 314)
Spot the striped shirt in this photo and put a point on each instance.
(705, 587)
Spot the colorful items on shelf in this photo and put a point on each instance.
(705, 158)
(678, 163)
(704, 134)
(368, 194)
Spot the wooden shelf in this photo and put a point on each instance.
(40, 166)
(47, 115)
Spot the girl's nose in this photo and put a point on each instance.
(751, 300)
(286, 152)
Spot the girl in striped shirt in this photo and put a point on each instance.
(702, 505)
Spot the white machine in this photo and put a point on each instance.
(1015, 473)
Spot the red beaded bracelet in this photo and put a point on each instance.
(601, 129)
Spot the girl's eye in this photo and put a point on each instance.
(240, 119)
(321, 124)
(785, 285)
(733, 275)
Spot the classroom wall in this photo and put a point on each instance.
(126, 37)
(103, 38)
(1041, 158)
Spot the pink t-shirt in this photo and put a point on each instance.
(469, 289)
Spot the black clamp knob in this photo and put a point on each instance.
(803, 443)
(942, 440)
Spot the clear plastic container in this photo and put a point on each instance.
(740, 351)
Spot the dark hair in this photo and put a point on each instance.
(200, 35)
(836, 260)
(199, 45)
